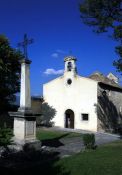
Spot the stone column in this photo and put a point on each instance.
(25, 97)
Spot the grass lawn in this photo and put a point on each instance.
(105, 160)
(47, 134)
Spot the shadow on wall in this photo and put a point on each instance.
(109, 118)
(48, 113)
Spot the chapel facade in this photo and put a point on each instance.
(91, 103)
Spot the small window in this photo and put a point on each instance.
(85, 117)
(69, 81)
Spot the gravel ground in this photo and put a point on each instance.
(74, 145)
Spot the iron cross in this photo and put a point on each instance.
(24, 44)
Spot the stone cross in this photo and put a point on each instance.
(24, 44)
(24, 118)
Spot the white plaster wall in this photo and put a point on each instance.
(80, 96)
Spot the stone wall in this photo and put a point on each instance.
(109, 107)
(36, 104)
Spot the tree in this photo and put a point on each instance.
(9, 74)
(48, 113)
(6, 135)
(105, 16)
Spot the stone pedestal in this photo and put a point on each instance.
(25, 130)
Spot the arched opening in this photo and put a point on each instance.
(69, 66)
(69, 118)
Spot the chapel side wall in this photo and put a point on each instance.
(109, 108)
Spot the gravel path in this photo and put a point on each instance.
(70, 146)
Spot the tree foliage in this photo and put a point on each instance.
(9, 73)
(105, 16)
(48, 113)
(6, 135)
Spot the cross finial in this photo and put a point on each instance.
(24, 44)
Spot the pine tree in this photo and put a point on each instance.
(105, 16)
(9, 74)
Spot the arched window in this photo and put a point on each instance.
(69, 66)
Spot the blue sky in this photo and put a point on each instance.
(57, 30)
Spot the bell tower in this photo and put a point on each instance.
(70, 65)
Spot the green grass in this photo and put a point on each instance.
(105, 160)
(46, 134)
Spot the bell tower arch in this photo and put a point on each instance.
(70, 65)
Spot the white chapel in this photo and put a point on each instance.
(75, 98)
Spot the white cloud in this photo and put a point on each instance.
(60, 51)
(53, 71)
(55, 55)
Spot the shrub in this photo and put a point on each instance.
(119, 129)
(5, 136)
(89, 141)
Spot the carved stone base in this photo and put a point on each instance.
(25, 130)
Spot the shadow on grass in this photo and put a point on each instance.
(54, 142)
(32, 163)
